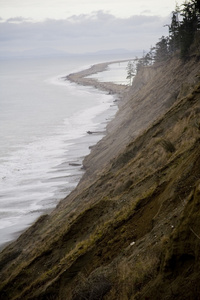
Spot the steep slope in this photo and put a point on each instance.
(130, 230)
(154, 90)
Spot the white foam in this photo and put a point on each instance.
(25, 173)
(35, 175)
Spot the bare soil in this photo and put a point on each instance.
(131, 228)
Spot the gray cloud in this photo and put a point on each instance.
(83, 33)
(17, 20)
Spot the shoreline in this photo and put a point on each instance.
(81, 78)
(120, 91)
(112, 89)
(134, 213)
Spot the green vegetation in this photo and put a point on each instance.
(184, 31)
(131, 71)
(116, 238)
(131, 228)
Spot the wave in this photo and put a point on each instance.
(35, 176)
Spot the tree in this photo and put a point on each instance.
(189, 25)
(131, 71)
(184, 32)
(174, 38)
(161, 49)
(147, 59)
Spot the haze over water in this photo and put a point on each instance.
(43, 125)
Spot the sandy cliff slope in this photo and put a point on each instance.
(131, 229)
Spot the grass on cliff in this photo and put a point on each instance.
(125, 229)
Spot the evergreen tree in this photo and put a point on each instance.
(184, 31)
(139, 64)
(161, 49)
(174, 38)
(131, 71)
(147, 59)
(189, 25)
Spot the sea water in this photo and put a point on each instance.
(43, 135)
(115, 72)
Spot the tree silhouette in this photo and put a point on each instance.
(189, 25)
(161, 49)
(174, 38)
(131, 71)
(184, 32)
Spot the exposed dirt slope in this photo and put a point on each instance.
(153, 92)
(131, 229)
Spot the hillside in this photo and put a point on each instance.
(131, 228)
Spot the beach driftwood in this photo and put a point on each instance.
(95, 132)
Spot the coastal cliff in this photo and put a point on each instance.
(131, 228)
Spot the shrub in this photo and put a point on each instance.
(167, 145)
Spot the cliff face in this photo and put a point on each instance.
(131, 229)
(153, 92)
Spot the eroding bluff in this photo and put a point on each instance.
(131, 228)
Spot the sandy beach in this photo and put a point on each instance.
(81, 78)
(81, 147)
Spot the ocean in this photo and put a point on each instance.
(43, 134)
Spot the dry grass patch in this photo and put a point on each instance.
(166, 145)
(132, 274)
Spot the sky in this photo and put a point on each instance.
(82, 26)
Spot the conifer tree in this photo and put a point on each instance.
(189, 25)
(174, 38)
(131, 71)
(161, 49)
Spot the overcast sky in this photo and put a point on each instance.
(82, 25)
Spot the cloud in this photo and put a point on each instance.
(83, 33)
(17, 20)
